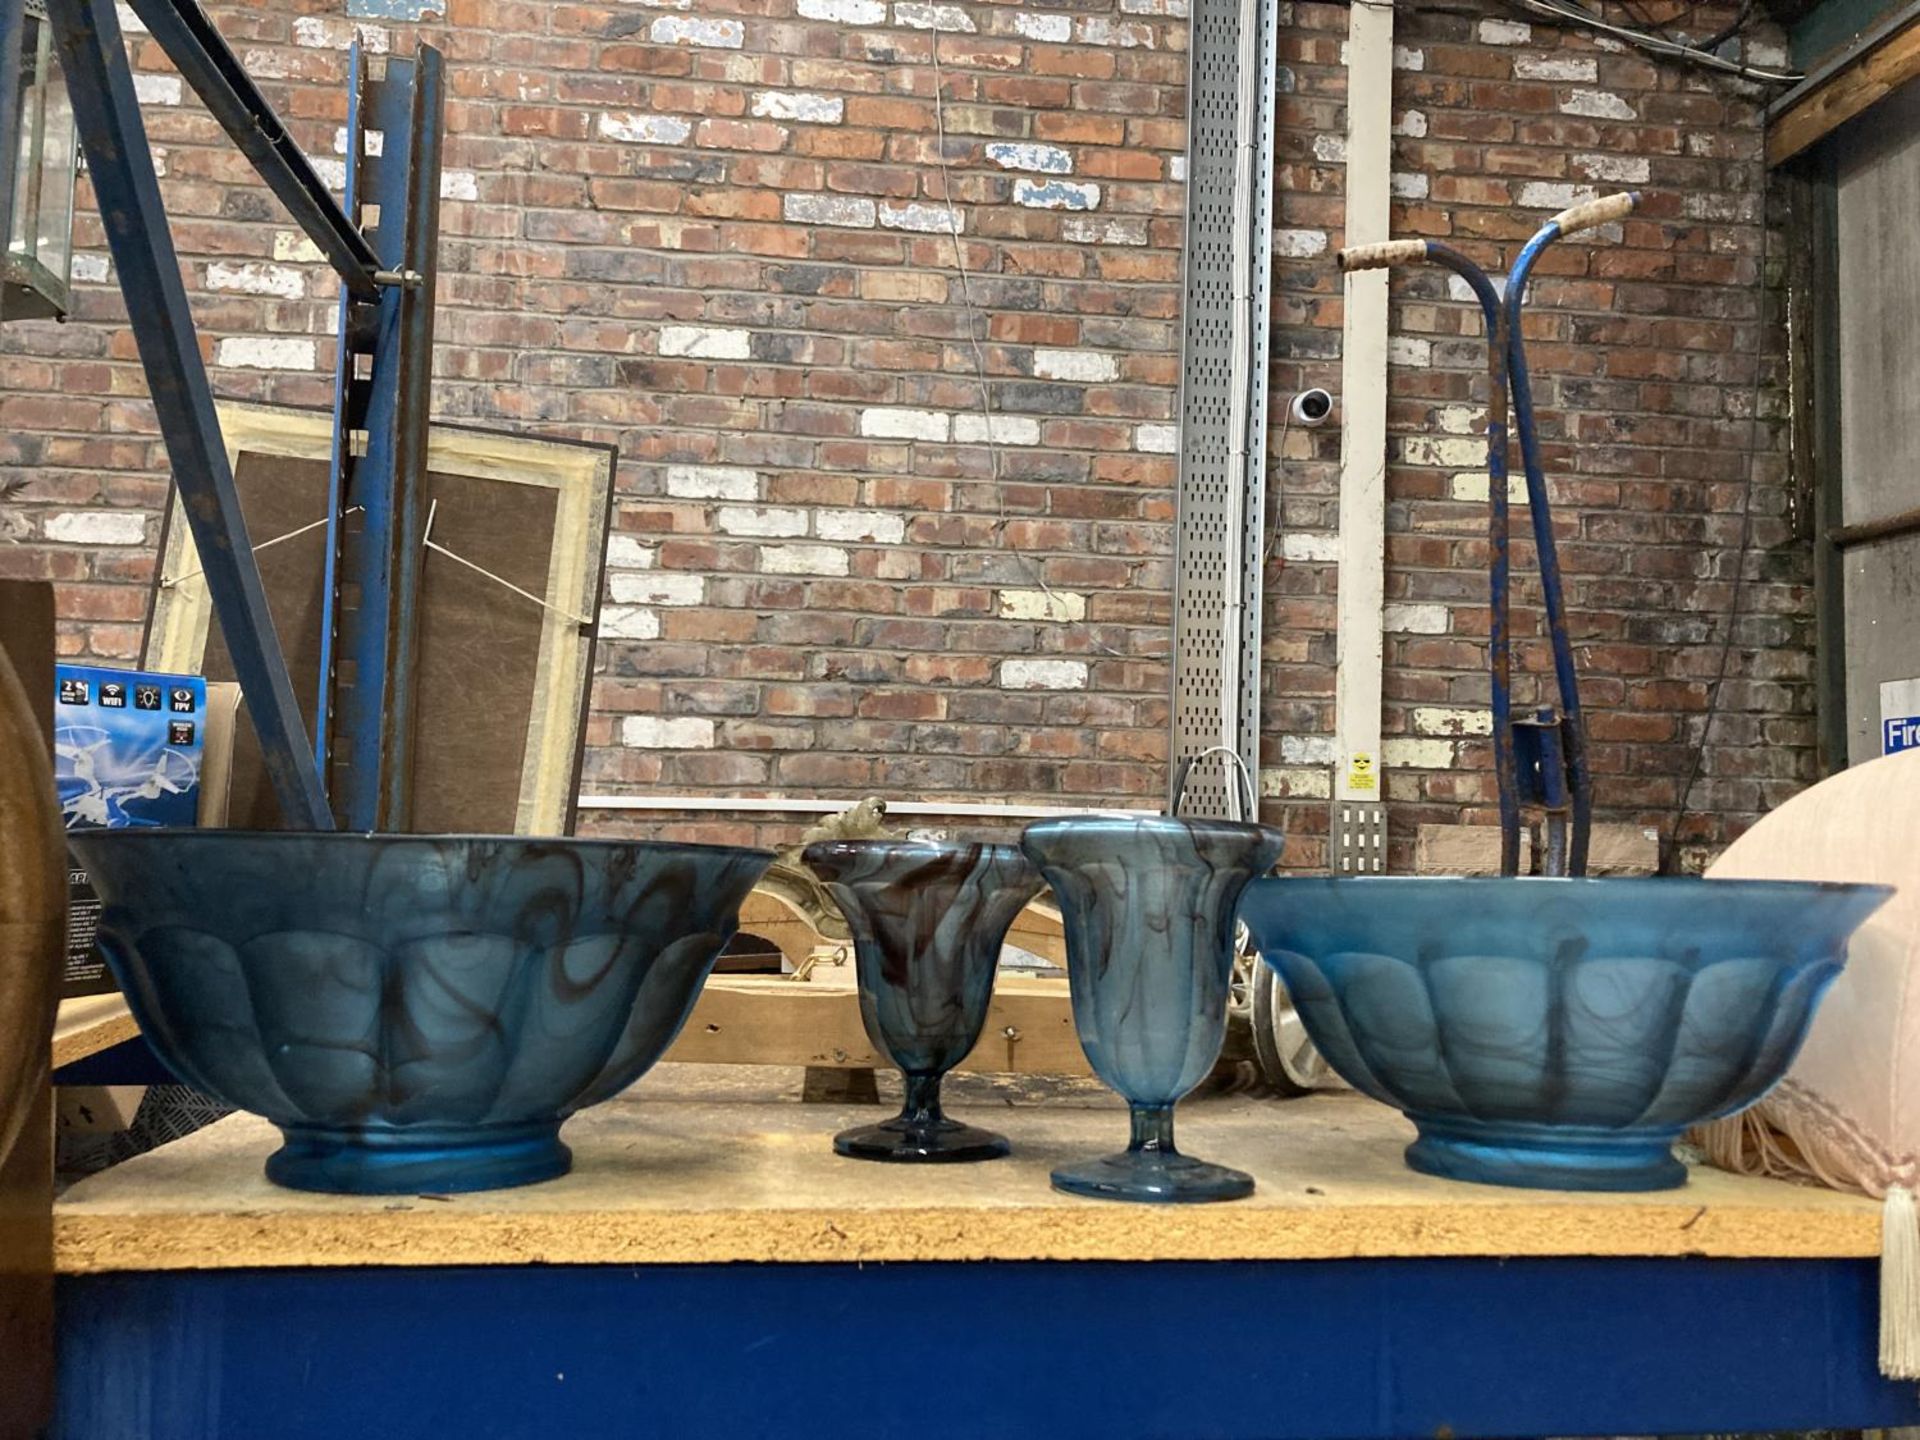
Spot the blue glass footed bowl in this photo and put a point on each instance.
(417, 1014)
(1556, 1034)
(928, 921)
(1147, 903)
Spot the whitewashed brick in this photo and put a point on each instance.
(804, 560)
(1451, 720)
(927, 219)
(1309, 545)
(267, 64)
(877, 526)
(1615, 169)
(1296, 782)
(797, 105)
(1177, 169)
(1330, 148)
(892, 423)
(1406, 185)
(1308, 749)
(712, 482)
(1086, 366)
(1404, 753)
(698, 30)
(295, 246)
(1460, 290)
(1043, 674)
(705, 342)
(1060, 606)
(850, 211)
(130, 23)
(1105, 30)
(255, 277)
(1003, 430)
(1441, 450)
(1407, 350)
(1414, 619)
(1157, 439)
(1457, 419)
(1105, 230)
(1026, 155)
(639, 129)
(1053, 29)
(628, 622)
(332, 173)
(253, 352)
(1505, 32)
(1057, 194)
(759, 520)
(624, 552)
(158, 89)
(374, 142)
(1299, 244)
(97, 527)
(91, 269)
(655, 732)
(1412, 124)
(657, 587)
(1576, 69)
(1475, 486)
(1405, 57)
(1551, 195)
(332, 32)
(1597, 105)
(933, 17)
(846, 12)
(459, 185)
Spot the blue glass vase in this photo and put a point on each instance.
(928, 921)
(1148, 905)
(416, 1013)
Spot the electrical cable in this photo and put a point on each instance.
(1654, 44)
(1685, 795)
(1055, 605)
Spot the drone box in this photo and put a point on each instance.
(128, 748)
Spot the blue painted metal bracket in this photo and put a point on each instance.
(107, 114)
(368, 653)
(218, 78)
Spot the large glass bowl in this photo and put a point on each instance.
(1557, 1034)
(416, 1013)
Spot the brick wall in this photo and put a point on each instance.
(721, 239)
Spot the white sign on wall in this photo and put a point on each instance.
(1899, 715)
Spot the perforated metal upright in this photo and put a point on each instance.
(1220, 528)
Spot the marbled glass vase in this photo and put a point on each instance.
(928, 921)
(1148, 904)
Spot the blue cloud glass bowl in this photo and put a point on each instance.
(1556, 1034)
(415, 1013)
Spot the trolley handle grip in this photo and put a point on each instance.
(1382, 254)
(1597, 212)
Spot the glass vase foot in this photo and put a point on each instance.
(418, 1159)
(1153, 1178)
(1533, 1157)
(941, 1142)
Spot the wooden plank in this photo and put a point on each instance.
(664, 1176)
(759, 1020)
(1860, 86)
(88, 1024)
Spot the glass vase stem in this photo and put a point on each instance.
(1152, 1130)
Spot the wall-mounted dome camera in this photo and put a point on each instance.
(1311, 408)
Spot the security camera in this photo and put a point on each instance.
(1311, 408)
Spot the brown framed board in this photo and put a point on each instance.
(509, 597)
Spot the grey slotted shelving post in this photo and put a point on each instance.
(1220, 529)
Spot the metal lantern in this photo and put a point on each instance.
(39, 256)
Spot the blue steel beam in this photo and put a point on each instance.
(107, 115)
(381, 408)
(217, 76)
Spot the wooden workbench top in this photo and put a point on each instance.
(710, 1164)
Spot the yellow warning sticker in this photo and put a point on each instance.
(1360, 772)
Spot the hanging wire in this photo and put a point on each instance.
(1055, 604)
(169, 583)
(426, 539)
(1654, 44)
